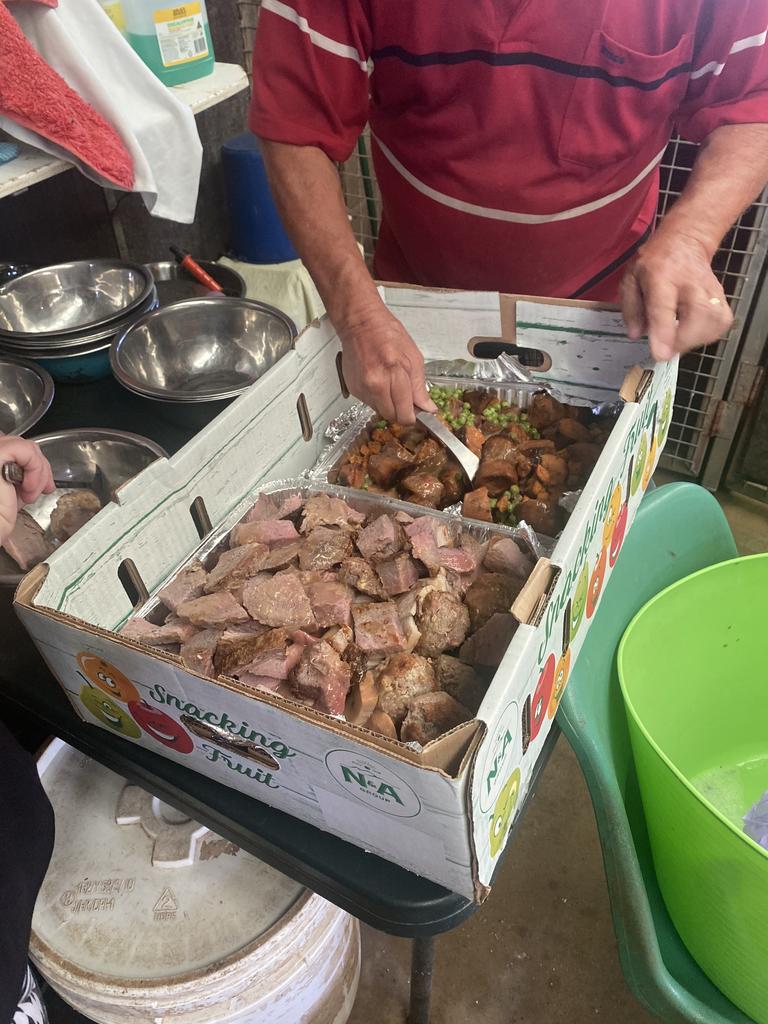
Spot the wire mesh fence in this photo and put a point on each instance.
(703, 374)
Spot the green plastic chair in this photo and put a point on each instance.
(679, 529)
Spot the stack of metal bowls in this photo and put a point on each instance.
(194, 357)
(65, 317)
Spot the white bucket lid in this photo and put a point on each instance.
(106, 910)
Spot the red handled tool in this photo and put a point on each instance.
(187, 263)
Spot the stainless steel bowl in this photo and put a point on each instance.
(76, 455)
(26, 393)
(174, 284)
(70, 298)
(201, 350)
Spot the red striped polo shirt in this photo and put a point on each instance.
(516, 142)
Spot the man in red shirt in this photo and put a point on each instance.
(517, 146)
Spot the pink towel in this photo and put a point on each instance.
(33, 95)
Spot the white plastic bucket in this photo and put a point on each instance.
(215, 937)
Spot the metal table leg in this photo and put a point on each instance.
(422, 963)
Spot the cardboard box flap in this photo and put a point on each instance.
(258, 437)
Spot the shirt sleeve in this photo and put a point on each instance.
(310, 74)
(729, 80)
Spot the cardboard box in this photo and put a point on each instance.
(445, 812)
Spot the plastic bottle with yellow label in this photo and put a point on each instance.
(175, 42)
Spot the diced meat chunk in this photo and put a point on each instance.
(491, 592)
(351, 474)
(544, 410)
(458, 559)
(361, 575)
(427, 535)
(452, 478)
(71, 512)
(377, 628)
(423, 489)
(381, 723)
(477, 505)
(166, 635)
(237, 646)
(382, 539)
(265, 507)
(280, 555)
(197, 653)
(488, 645)
(235, 566)
(331, 603)
(279, 601)
(460, 681)
(431, 457)
(264, 531)
(431, 715)
(443, 623)
(543, 517)
(496, 476)
(267, 684)
(404, 677)
(187, 585)
(324, 548)
(385, 466)
(213, 611)
(397, 574)
(499, 448)
(325, 510)
(27, 544)
(505, 556)
(273, 654)
(288, 504)
(322, 676)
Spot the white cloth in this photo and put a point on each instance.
(78, 40)
(287, 286)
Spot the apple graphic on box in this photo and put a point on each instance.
(108, 678)
(596, 583)
(109, 713)
(503, 811)
(561, 681)
(579, 601)
(161, 727)
(638, 473)
(614, 507)
(542, 696)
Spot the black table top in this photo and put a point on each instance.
(381, 894)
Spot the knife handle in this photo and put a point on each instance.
(13, 473)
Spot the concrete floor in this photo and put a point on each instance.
(542, 949)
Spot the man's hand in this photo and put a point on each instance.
(670, 292)
(383, 366)
(38, 480)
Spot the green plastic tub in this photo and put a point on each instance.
(693, 666)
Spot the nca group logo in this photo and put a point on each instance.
(372, 783)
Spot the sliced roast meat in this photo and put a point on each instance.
(504, 556)
(377, 628)
(27, 544)
(272, 654)
(491, 592)
(187, 585)
(489, 644)
(170, 633)
(324, 510)
(423, 489)
(432, 715)
(460, 681)
(331, 603)
(443, 623)
(213, 611)
(404, 677)
(71, 512)
(279, 601)
(198, 652)
(322, 676)
(382, 539)
(324, 548)
(477, 505)
(397, 574)
(235, 566)
(361, 575)
(264, 531)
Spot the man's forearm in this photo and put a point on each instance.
(307, 192)
(731, 169)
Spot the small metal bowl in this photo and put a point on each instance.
(174, 283)
(201, 350)
(75, 455)
(71, 298)
(26, 393)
